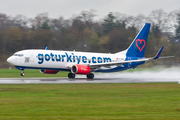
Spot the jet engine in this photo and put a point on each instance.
(80, 69)
(49, 71)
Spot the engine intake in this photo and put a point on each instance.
(80, 69)
(49, 71)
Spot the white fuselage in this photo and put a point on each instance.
(61, 60)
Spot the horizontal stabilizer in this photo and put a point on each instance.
(159, 53)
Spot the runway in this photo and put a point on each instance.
(83, 80)
(166, 75)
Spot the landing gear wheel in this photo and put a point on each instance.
(90, 76)
(71, 75)
(22, 73)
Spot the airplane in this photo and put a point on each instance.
(86, 63)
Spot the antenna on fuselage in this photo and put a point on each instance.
(46, 48)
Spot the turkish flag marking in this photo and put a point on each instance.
(141, 45)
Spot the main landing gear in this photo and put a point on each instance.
(22, 73)
(89, 76)
(71, 75)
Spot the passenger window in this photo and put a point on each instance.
(20, 55)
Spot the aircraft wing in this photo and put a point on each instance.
(116, 63)
(157, 56)
(93, 66)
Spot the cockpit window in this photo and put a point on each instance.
(20, 55)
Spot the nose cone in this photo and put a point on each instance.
(10, 60)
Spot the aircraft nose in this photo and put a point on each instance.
(10, 60)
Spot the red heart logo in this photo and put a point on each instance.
(140, 41)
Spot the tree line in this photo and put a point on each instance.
(83, 32)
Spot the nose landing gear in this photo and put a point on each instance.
(22, 73)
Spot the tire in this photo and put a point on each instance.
(90, 76)
(22, 73)
(71, 75)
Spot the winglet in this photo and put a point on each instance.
(46, 48)
(159, 53)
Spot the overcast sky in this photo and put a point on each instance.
(68, 8)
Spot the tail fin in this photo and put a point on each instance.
(138, 46)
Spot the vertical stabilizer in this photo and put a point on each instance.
(138, 46)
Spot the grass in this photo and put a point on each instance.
(137, 101)
(14, 73)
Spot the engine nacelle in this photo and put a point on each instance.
(80, 69)
(49, 71)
